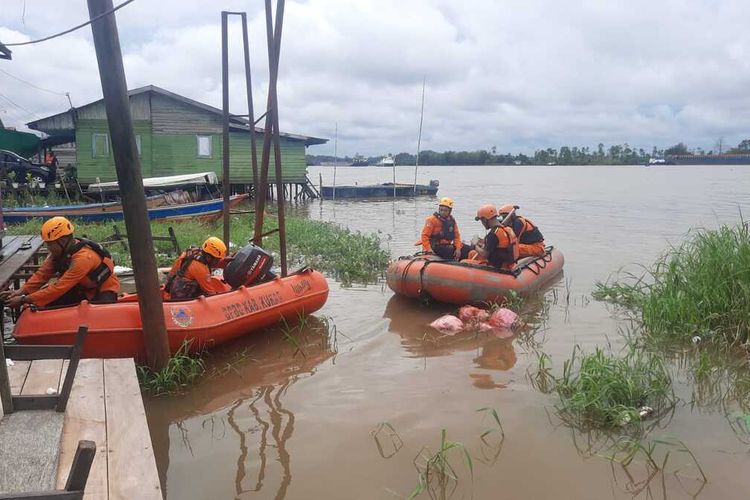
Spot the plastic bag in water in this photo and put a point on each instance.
(467, 314)
(448, 324)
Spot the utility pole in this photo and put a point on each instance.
(128, 166)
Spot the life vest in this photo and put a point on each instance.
(177, 285)
(447, 233)
(526, 232)
(100, 274)
(506, 253)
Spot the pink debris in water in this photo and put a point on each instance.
(471, 313)
(448, 324)
(503, 318)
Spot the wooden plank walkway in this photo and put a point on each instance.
(105, 406)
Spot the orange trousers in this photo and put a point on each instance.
(532, 250)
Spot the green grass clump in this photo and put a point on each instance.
(181, 371)
(351, 257)
(700, 288)
(602, 391)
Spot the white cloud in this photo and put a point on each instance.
(516, 74)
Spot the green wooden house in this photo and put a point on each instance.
(174, 134)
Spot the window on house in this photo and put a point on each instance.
(204, 146)
(100, 146)
(138, 145)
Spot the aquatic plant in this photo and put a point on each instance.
(600, 390)
(436, 473)
(182, 370)
(701, 288)
(385, 429)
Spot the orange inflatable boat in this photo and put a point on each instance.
(115, 330)
(430, 277)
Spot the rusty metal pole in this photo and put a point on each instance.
(225, 130)
(262, 193)
(250, 110)
(128, 167)
(275, 38)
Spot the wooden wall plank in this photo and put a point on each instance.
(131, 462)
(85, 418)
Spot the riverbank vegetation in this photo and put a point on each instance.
(616, 154)
(600, 390)
(698, 292)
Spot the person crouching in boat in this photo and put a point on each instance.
(501, 243)
(440, 233)
(530, 239)
(190, 275)
(85, 270)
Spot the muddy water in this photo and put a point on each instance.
(300, 418)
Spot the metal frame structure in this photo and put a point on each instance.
(271, 135)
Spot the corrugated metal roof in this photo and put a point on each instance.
(235, 123)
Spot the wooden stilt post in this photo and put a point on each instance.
(128, 166)
(225, 128)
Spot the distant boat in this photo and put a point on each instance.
(387, 161)
(720, 159)
(97, 212)
(385, 190)
(652, 162)
(359, 161)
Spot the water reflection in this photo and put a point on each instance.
(495, 351)
(240, 411)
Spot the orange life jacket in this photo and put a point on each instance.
(526, 231)
(505, 254)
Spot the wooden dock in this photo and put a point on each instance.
(105, 406)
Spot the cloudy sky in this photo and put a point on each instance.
(514, 74)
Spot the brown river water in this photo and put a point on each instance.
(302, 419)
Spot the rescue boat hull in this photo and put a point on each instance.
(115, 330)
(430, 277)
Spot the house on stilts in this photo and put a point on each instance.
(175, 135)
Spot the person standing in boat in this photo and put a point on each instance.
(530, 239)
(190, 275)
(440, 233)
(500, 243)
(85, 270)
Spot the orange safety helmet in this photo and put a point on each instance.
(446, 202)
(488, 212)
(506, 209)
(215, 247)
(55, 228)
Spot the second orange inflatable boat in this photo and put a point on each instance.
(430, 277)
(115, 330)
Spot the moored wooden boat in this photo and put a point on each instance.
(115, 330)
(158, 209)
(430, 277)
(385, 190)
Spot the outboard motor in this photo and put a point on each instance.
(250, 266)
(434, 183)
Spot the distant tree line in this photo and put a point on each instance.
(618, 154)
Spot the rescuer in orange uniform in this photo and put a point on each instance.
(440, 233)
(190, 275)
(530, 239)
(84, 267)
(500, 243)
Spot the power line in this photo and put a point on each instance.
(31, 84)
(18, 105)
(123, 4)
